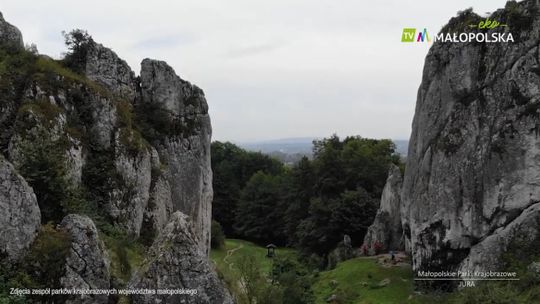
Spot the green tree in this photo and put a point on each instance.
(79, 44)
(232, 167)
(299, 193)
(330, 219)
(329, 168)
(366, 162)
(314, 233)
(353, 214)
(351, 163)
(259, 213)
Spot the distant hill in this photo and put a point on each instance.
(286, 145)
(290, 150)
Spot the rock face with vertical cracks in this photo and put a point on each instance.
(106, 68)
(386, 228)
(128, 151)
(175, 261)
(185, 149)
(87, 264)
(20, 218)
(472, 179)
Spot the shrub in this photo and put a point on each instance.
(48, 255)
(16, 69)
(154, 120)
(295, 280)
(43, 165)
(156, 123)
(251, 278)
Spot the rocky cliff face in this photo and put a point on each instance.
(185, 150)
(87, 265)
(9, 34)
(472, 175)
(176, 262)
(106, 68)
(20, 218)
(385, 233)
(127, 151)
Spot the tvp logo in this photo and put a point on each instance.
(408, 35)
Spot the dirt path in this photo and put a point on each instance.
(229, 254)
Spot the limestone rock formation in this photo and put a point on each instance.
(385, 233)
(9, 34)
(158, 209)
(473, 166)
(175, 261)
(106, 68)
(129, 202)
(524, 231)
(185, 151)
(128, 150)
(343, 252)
(103, 121)
(20, 218)
(87, 265)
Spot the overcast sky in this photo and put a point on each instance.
(270, 69)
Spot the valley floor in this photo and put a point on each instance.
(367, 280)
(360, 280)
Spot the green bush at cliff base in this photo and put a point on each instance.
(126, 255)
(42, 267)
(48, 254)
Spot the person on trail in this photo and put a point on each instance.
(392, 256)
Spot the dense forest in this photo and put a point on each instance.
(310, 205)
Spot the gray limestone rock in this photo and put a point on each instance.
(106, 68)
(473, 166)
(20, 218)
(386, 228)
(104, 117)
(343, 252)
(175, 261)
(486, 255)
(159, 208)
(186, 154)
(129, 201)
(87, 265)
(33, 125)
(137, 180)
(9, 34)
